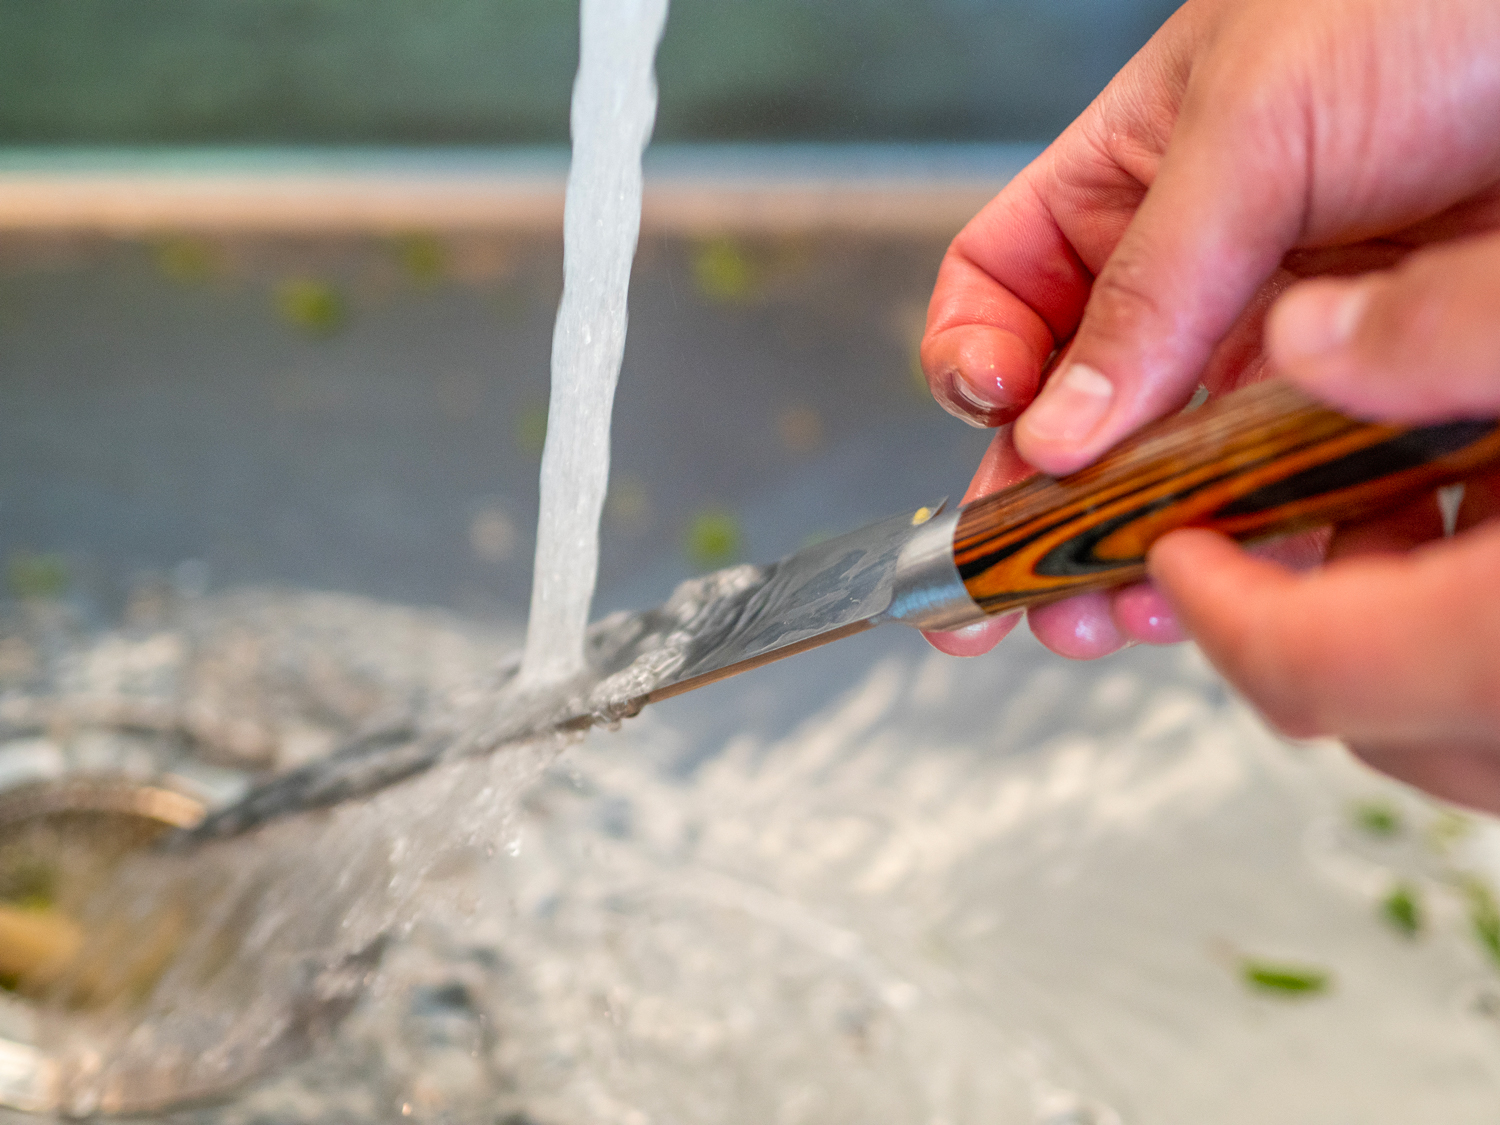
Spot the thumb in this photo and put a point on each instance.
(1212, 227)
(1420, 343)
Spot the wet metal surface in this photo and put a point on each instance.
(867, 883)
(163, 408)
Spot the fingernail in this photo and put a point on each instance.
(1070, 407)
(959, 398)
(1315, 320)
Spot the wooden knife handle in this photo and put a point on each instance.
(1259, 462)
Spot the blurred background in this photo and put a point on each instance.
(277, 279)
(277, 286)
(498, 72)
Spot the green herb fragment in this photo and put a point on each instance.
(1447, 829)
(422, 257)
(1403, 910)
(713, 540)
(1484, 916)
(724, 272)
(312, 306)
(1291, 980)
(36, 577)
(531, 428)
(1377, 818)
(187, 261)
(29, 883)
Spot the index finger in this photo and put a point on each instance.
(1010, 287)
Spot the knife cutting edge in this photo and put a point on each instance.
(1259, 462)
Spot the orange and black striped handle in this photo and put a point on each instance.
(1259, 462)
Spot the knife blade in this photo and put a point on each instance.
(1260, 462)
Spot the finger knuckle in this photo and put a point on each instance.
(1123, 296)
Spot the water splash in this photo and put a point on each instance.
(204, 967)
(614, 108)
(931, 900)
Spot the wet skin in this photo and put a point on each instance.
(1305, 188)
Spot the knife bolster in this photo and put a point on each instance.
(928, 592)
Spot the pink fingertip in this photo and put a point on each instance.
(1080, 628)
(1141, 612)
(976, 639)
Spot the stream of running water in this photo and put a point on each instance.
(245, 962)
(614, 108)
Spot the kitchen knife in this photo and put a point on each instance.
(1259, 462)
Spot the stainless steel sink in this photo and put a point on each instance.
(868, 883)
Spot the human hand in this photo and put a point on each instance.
(1250, 143)
(1394, 645)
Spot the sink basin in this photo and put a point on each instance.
(868, 883)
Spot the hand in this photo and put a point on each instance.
(1250, 143)
(1394, 646)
